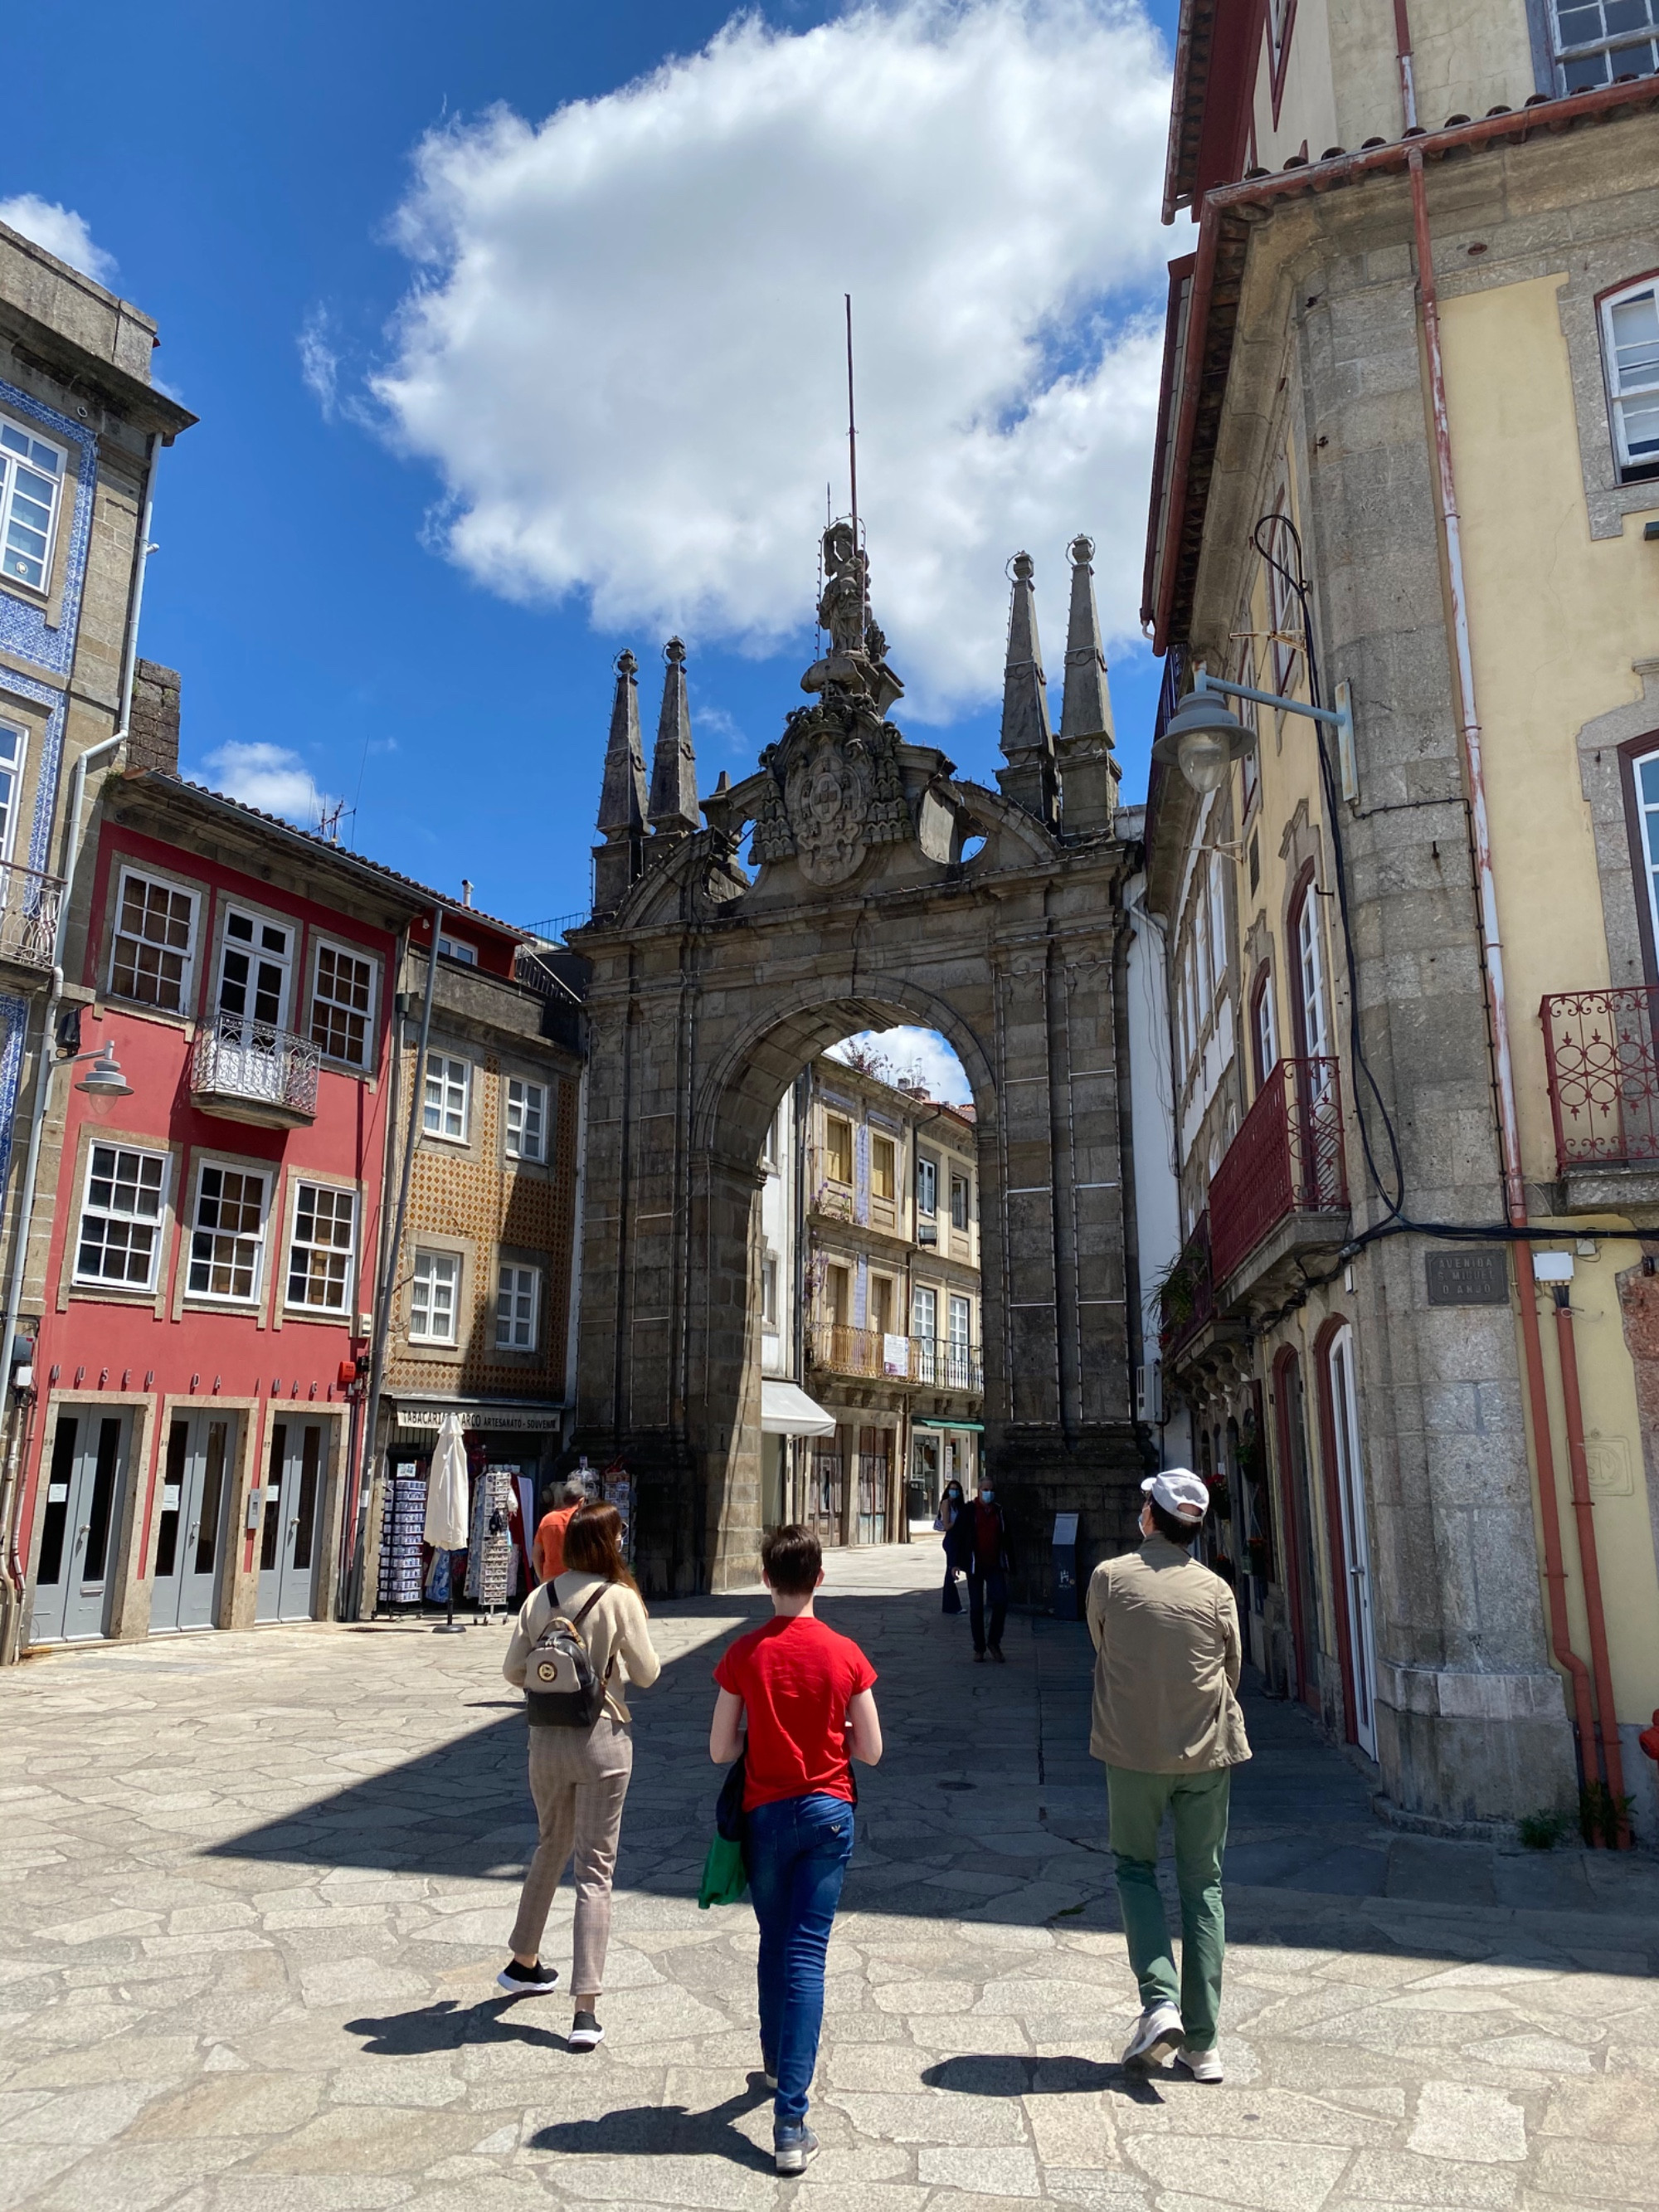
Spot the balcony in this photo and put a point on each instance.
(935, 1363)
(1603, 1074)
(29, 905)
(1281, 1192)
(247, 1071)
(1187, 1297)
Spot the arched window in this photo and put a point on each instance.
(1630, 357)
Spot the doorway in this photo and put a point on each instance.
(190, 1541)
(85, 1477)
(874, 1463)
(1344, 1403)
(1300, 1592)
(296, 1462)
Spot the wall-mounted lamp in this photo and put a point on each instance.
(1203, 738)
(104, 1078)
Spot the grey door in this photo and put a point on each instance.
(191, 1536)
(296, 1460)
(85, 1475)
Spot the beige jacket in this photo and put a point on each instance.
(614, 1631)
(1165, 1633)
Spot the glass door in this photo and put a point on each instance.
(872, 1485)
(84, 1472)
(191, 1536)
(295, 1462)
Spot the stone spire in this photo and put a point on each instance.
(1028, 743)
(674, 764)
(617, 862)
(1089, 775)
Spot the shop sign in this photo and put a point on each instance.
(491, 1417)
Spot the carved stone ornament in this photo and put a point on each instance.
(773, 838)
(841, 793)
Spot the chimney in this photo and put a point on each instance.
(153, 730)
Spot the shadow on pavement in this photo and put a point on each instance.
(664, 2131)
(446, 2026)
(1013, 2074)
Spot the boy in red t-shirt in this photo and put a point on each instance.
(806, 1692)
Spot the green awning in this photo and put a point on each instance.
(934, 1421)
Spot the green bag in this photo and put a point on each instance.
(725, 1879)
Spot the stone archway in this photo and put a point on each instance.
(869, 906)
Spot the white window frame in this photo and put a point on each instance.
(255, 953)
(211, 1163)
(11, 774)
(187, 977)
(963, 1183)
(433, 1267)
(517, 1113)
(157, 1223)
(1218, 921)
(1311, 976)
(514, 1292)
(924, 1301)
(291, 1304)
(1620, 393)
(10, 461)
(1267, 1030)
(443, 1071)
(1647, 816)
(341, 949)
(457, 948)
(769, 1292)
(927, 1187)
(1613, 46)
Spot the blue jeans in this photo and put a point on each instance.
(797, 1855)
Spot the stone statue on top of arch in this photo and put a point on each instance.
(856, 662)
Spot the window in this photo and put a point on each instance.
(121, 1217)
(456, 948)
(1630, 351)
(1279, 15)
(31, 492)
(14, 746)
(958, 1364)
(883, 1169)
(924, 1327)
(1250, 764)
(959, 1202)
(526, 1119)
(1597, 40)
(1217, 920)
(1311, 976)
(927, 1187)
(881, 1305)
(320, 1258)
(837, 1148)
(342, 1005)
(254, 967)
(517, 1306)
(1266, 1043)
(838, 1295)
(1198, 951)
(448, 1083)
(226, 1243)
(769, 1292)
(1284, 609)
(155, 933)
(432, 1299)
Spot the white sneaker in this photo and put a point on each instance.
(1158, 2032)
(1202, 2065)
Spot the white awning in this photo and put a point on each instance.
(788, 1412)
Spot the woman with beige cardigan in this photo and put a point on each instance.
(578, 1778)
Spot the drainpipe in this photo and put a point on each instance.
(1490, 944)
(579, 1208)
(11, 1595)
(1578, 1464)
(389, 1273)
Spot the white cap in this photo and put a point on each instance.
(1180, 1491)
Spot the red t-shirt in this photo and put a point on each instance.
(796, 1678)
(550, 1540)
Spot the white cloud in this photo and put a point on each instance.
(61, 231)
(920, 1055)
(624, 348)
(319, 364)
(270, 777)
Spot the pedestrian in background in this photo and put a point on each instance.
(951, 1508)
(978, 1544)
(579, 1777)
(547, 1554)
(1168, 1726)
(804, 1694)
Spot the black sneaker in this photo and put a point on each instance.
(979, 1658)
(794, 2149)
(527, 1981)
(584, 2032)
(996, 1653)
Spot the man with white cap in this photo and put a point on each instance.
(1168, 1727)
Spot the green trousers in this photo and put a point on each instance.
(1198, 1804)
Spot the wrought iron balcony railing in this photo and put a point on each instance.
(1287, 1159)
(936, 1362)
(1603, 1072)
(29, 905)
(1187, 1299)
(249, 1071)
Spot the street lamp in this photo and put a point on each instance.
(1202, 738)
(104, 1078)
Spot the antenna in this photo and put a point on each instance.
(852, 426)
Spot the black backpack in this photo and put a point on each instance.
(560, 1686)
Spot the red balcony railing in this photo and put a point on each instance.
(1187, 1299)
(1604, 1075)
(1287, 1158)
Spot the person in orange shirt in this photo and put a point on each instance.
(547, 1553)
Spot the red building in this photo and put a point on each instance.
(204, 1277)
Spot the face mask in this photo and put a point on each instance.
(988, 1492)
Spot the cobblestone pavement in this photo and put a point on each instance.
(255, 1887)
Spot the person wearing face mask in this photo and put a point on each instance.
(951, 1508)
(978, 1542)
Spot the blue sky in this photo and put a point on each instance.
(364, 582)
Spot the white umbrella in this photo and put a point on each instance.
(447, 1495)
